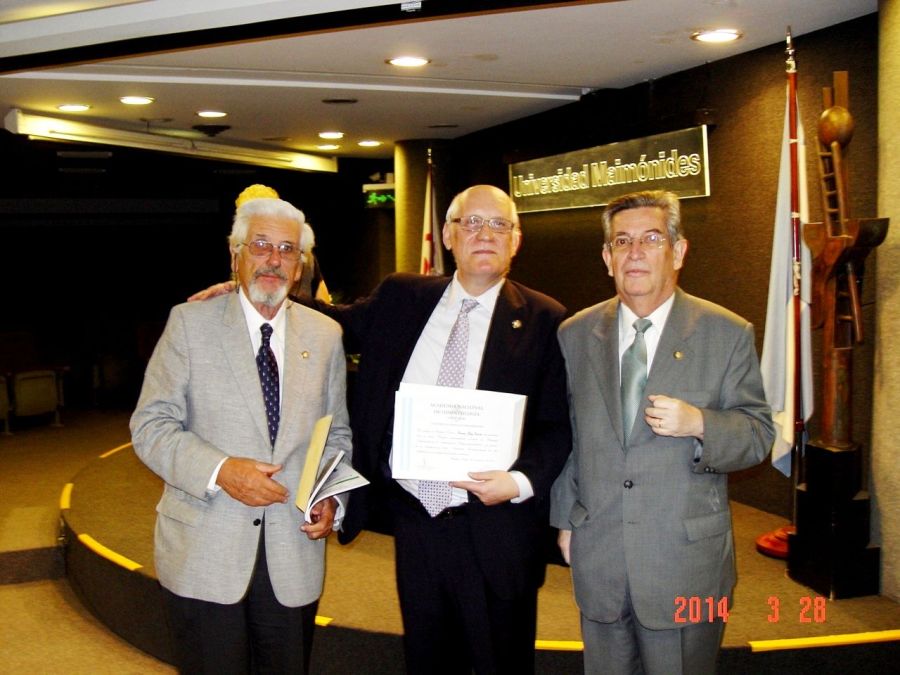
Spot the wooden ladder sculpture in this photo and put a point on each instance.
(830, 550)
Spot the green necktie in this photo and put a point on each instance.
(634, 375)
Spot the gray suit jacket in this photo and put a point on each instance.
(653, 517)
(201, 401)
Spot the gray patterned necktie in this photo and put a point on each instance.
(435, 494)
(268, 378)
(634, 375)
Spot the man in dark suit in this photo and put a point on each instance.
(468, 576)
(642, 505)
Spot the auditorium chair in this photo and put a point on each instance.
(36, 392)
(33, 382)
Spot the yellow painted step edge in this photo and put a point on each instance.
(824, 641)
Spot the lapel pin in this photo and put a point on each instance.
(516, 324)
(678, 355)
(304, 354)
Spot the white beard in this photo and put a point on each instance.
(273, 299)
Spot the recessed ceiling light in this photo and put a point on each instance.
(331, 135)
(408, 61)
(717, 35)
(369, 144)
(73, 107)
(211, 113)
(136, 100)
(328, 146)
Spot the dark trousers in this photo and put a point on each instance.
(452, 621)
(256, 635)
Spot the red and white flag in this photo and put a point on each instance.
(432, 252)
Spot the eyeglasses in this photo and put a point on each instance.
(261, 248)
(475, 223)
(648, 241)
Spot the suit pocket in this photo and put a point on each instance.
(706, 526)
(578, 515)
(176, 509)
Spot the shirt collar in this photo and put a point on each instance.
(487, 299)
(657, 317)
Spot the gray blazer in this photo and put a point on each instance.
(654, 518)
(201, 401)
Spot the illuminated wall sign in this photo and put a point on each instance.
(676, 161)
(379, 195)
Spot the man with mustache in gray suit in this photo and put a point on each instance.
(228, 433)
(666, 398)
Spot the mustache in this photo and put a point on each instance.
(273, 271)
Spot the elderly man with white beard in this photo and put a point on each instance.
(229, 401)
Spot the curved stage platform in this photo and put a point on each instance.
(108, 515)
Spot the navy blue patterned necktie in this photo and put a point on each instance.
(268, 378)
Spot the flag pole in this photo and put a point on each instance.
(775, 543)
(799, 423)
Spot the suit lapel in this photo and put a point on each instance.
(674, 353)
(294, 385)
(239, 354)
(508, 327)
(426, 297)
(603, 354)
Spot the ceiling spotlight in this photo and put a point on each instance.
(718, 35)
(408, 61)
(331, 135)
(211, 113)
(328, 146)
(73, 107)
(136, 100)
(369, 144)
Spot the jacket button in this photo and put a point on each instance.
(628, 484)
(257, 522)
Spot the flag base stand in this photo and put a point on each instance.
(775, 543)
(830, 552)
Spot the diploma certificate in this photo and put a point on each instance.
(443, 433)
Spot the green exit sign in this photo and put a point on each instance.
(379, 196)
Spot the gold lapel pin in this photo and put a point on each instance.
(516, 324)
(304, 354)
(678, 355)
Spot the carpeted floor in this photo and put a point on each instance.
(45, 629)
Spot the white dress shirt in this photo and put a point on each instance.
(254, 321)
(658, 319)
(425, 362)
